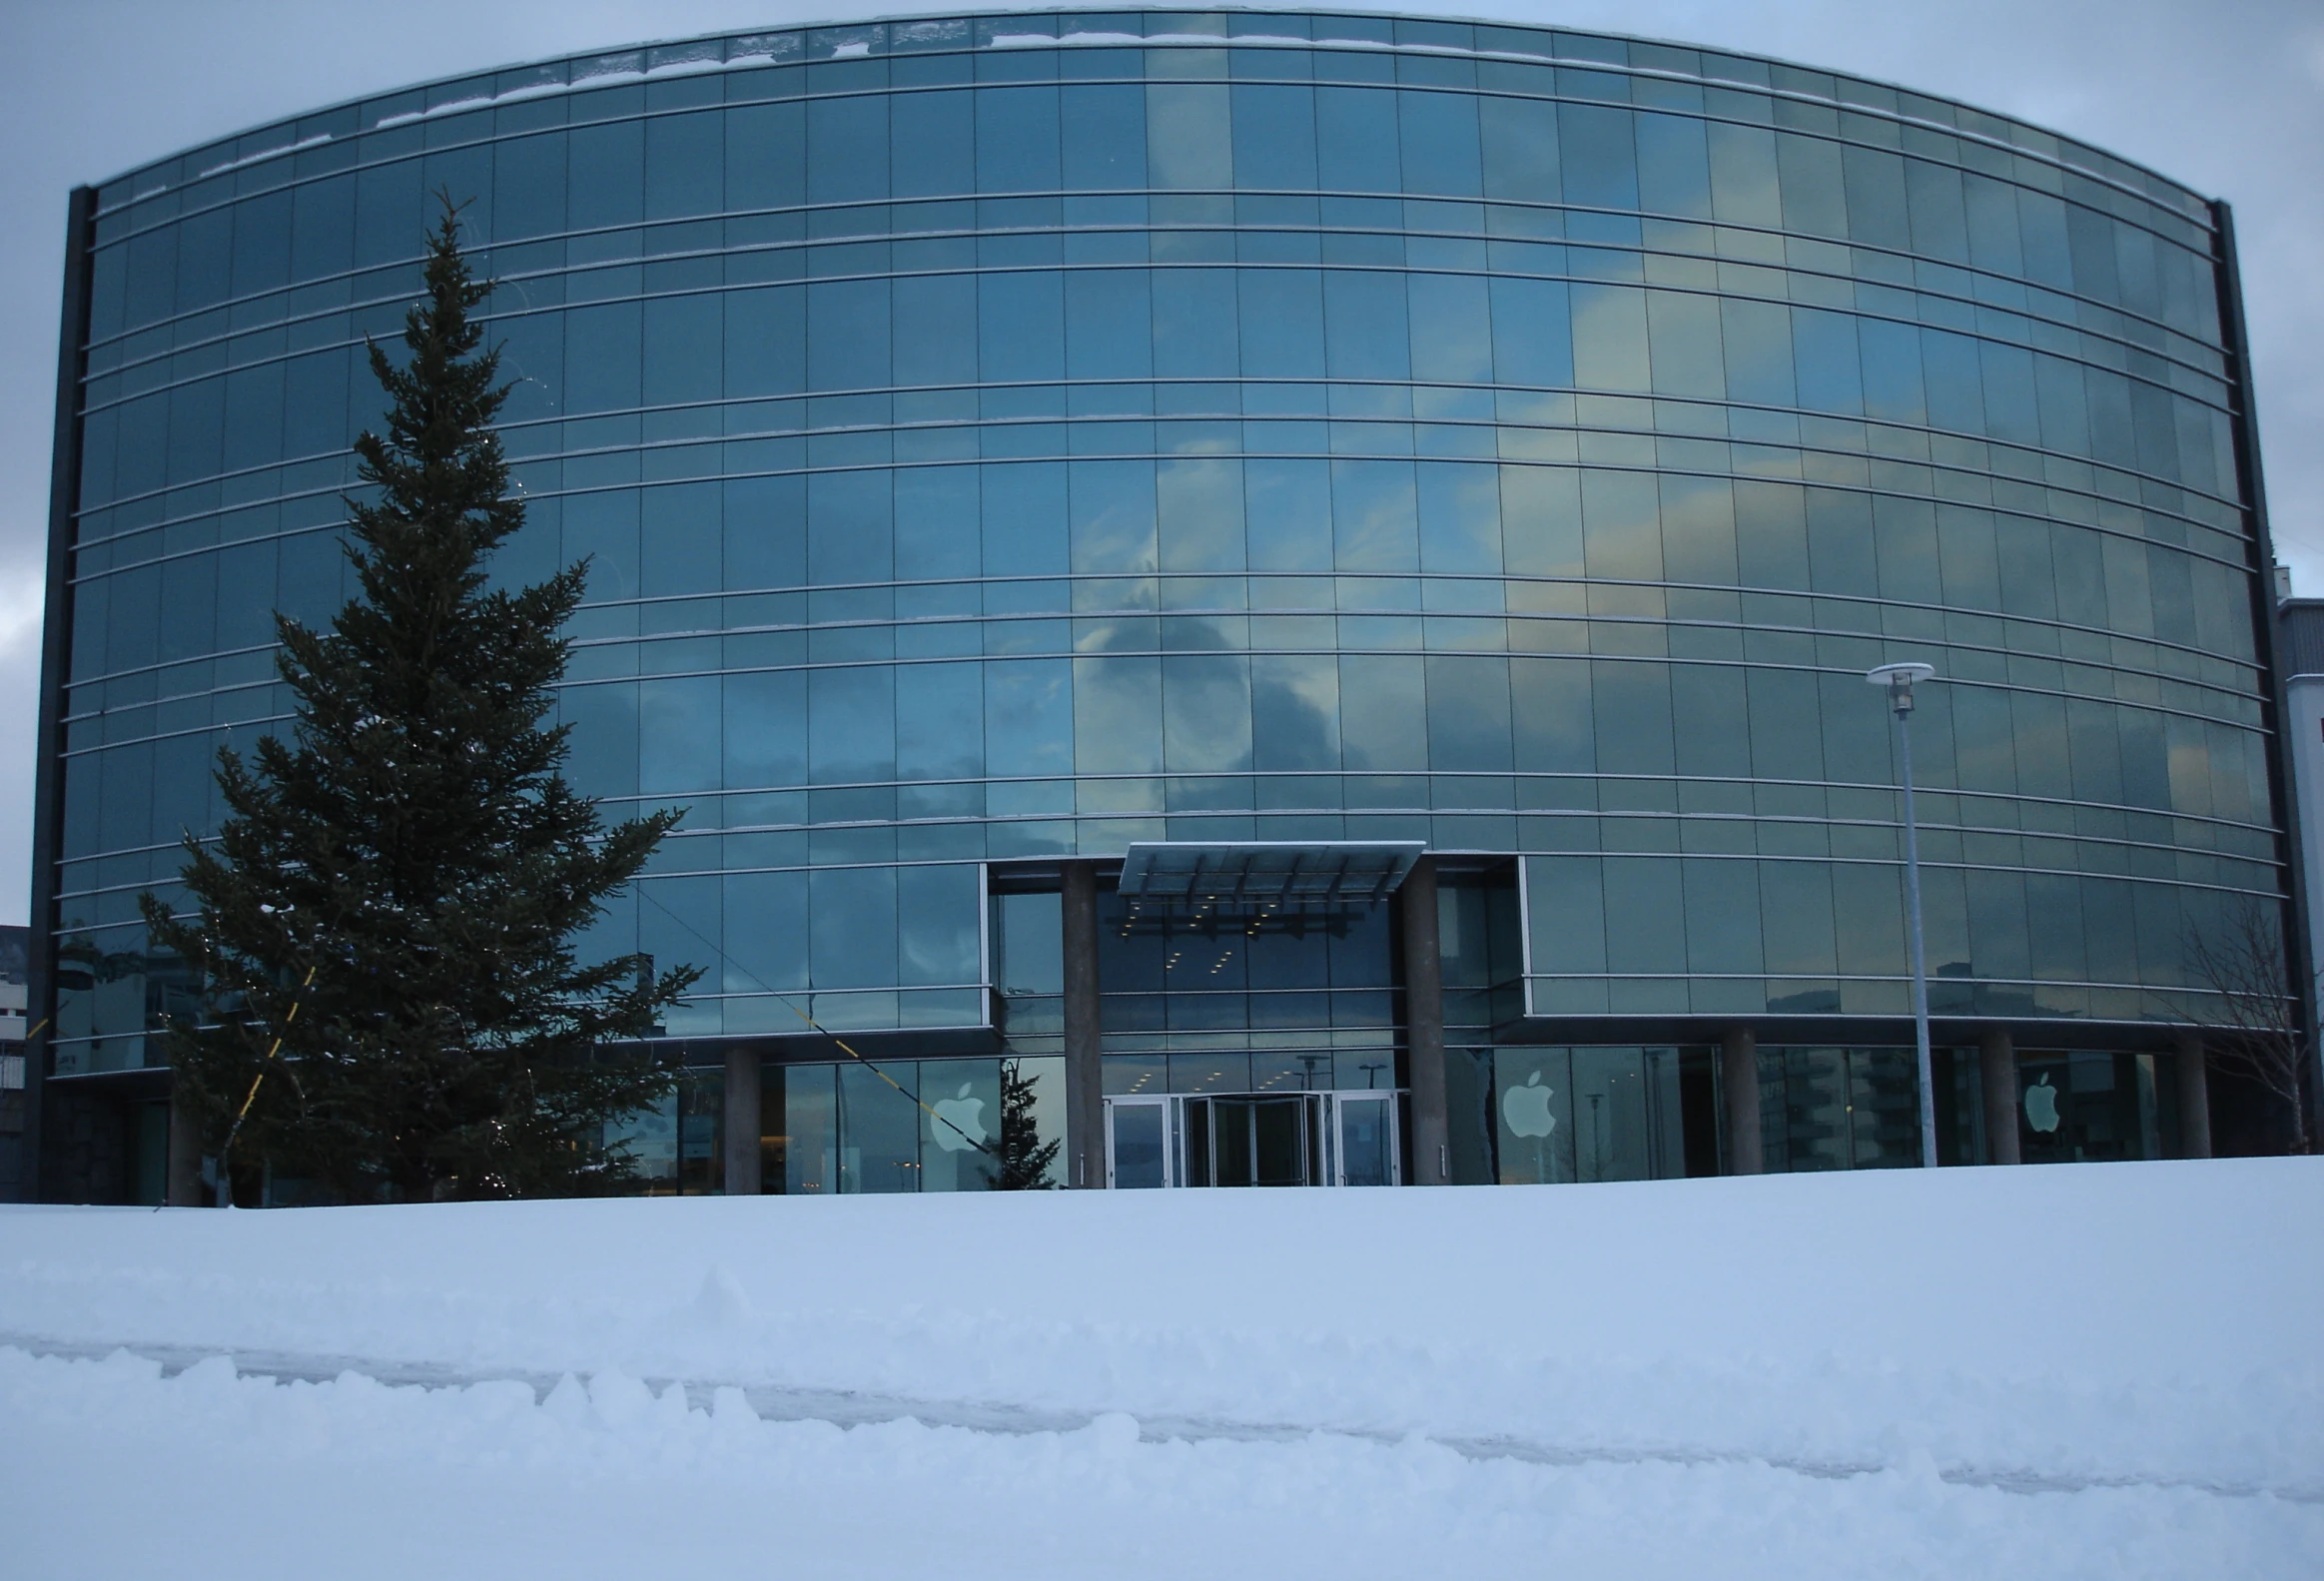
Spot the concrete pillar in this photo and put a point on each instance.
(1424, 1026)
(182, 1185)
(2194, 1098)
(1085, 1080)
(1739, 1084)
(1997, 1078)
(742, 1124)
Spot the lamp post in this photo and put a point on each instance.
(1899, 679)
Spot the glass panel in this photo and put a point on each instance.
(1193, 1143)
(2088, 1105)
(1884, 1097)
(1533, 1114)
(1028, 957)
(879, 1128)
(960, 1143)
(1366, 1148)
(1016, 139)
(651, 1138)
(1280, 1139)
(1136, 1137)
(1210, 1073)
(1626, 1114)
(1134, 1073)
(1234, 1144)
(1188, 137)
(1103, 138)
(1275, 136)
(1810, 1129)
(1288, 1070)
(701, 1117)
(1355, 140)
(1598, 156)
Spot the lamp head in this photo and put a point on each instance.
(1899, 679)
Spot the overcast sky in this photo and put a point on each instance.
(2227, 96)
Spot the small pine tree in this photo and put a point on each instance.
(1022, 1160)
(396, 891)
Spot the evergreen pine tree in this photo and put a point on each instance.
(1021, 1160)
(397, 890)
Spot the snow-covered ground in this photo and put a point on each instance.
(2097, 1370)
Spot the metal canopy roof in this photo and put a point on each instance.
(1288, 874)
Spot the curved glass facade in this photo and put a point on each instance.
(1008, 440)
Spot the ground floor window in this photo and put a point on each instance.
(855, 1128)
(1530, 1116)
(2090, 1106)
(1839, 1109)
(1521, 1115)
(1588, 1115)
(1526, 1115)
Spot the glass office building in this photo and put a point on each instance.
(1299, 581)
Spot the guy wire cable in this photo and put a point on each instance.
(225, 1190)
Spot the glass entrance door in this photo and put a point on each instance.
(1137, 1156)
(1251, 1138)
(1247, 1141)
(1364, 1138)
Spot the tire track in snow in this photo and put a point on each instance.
(856, 1409)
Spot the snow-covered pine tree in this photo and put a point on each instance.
(412, 846)
(1022, 1160)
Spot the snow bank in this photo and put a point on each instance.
(2094, 1370)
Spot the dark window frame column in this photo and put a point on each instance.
(42, 1181)
(1424, 1026)
(1997, 1081)
(743, 1174)
(2276, 707)
(1739, 1089)
(1085, 1082)
(2195, 1067)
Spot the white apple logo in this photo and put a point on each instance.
(1525, 1109)
(960, 1121)
(2041, 1105)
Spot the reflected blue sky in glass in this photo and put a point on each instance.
(1019, 496)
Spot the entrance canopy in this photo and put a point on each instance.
(1266, 875)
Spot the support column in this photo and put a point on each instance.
(1085, 1080)
(1739, 1083)
(182, 1184)
(1997, 1078)
(1424, 1026)
(2194, 1098)
(742, 1124)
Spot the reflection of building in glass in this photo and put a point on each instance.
(1242, 562)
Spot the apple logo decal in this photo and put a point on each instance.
(2041, 1105)
(960, 1121)
(1525, 1109)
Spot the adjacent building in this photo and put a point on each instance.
(1299, 581)
(15, 994)
(2300, 657)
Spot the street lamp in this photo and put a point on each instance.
(1899, 679)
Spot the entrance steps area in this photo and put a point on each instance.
(2096, 1369)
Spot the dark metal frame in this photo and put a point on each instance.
(2249, 473)
(55, 657)
(1235, 878)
